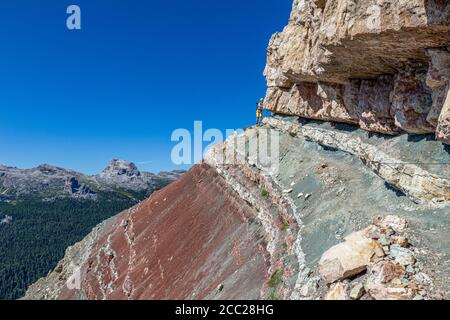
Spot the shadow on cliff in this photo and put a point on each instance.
(397, 192)
(381, 135)
(419, 138)
(447, 148)
(345, 127)
(334, 125)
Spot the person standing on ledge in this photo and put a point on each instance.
(259, 112)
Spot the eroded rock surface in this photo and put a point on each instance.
(391, 272)
(380, 64)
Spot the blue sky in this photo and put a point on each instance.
(135, 72)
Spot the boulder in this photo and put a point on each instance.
(390, 221)
(348, 258)
(402, 255)
(412, 101)
(357, 291)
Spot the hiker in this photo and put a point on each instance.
(259, 112)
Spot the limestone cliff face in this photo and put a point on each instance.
(383, 65)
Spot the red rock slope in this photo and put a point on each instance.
(195, 239)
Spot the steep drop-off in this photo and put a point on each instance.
(183, 243)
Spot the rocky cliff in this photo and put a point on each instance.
(382, 65)
(355, 203)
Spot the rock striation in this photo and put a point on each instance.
(382, 65)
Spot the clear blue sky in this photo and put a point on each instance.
(135, 72)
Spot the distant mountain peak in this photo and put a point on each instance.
(117, 167)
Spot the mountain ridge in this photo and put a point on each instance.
(52, 179)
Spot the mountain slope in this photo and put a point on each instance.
(147, 252)
(46, 209)
(245, 231)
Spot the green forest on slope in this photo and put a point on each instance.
(41, 231)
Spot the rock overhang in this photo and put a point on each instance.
(366, 63)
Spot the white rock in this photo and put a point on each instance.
(402, 255)
(357, 291)
(338, 291)
(348, 258)
(310, 288)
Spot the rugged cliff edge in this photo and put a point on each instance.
(383, 65)
(354, 207)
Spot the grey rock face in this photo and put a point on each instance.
(351, 189)
(74, 188)
(419, 184)
(119, 168)
(125, 174)
(345, 194)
